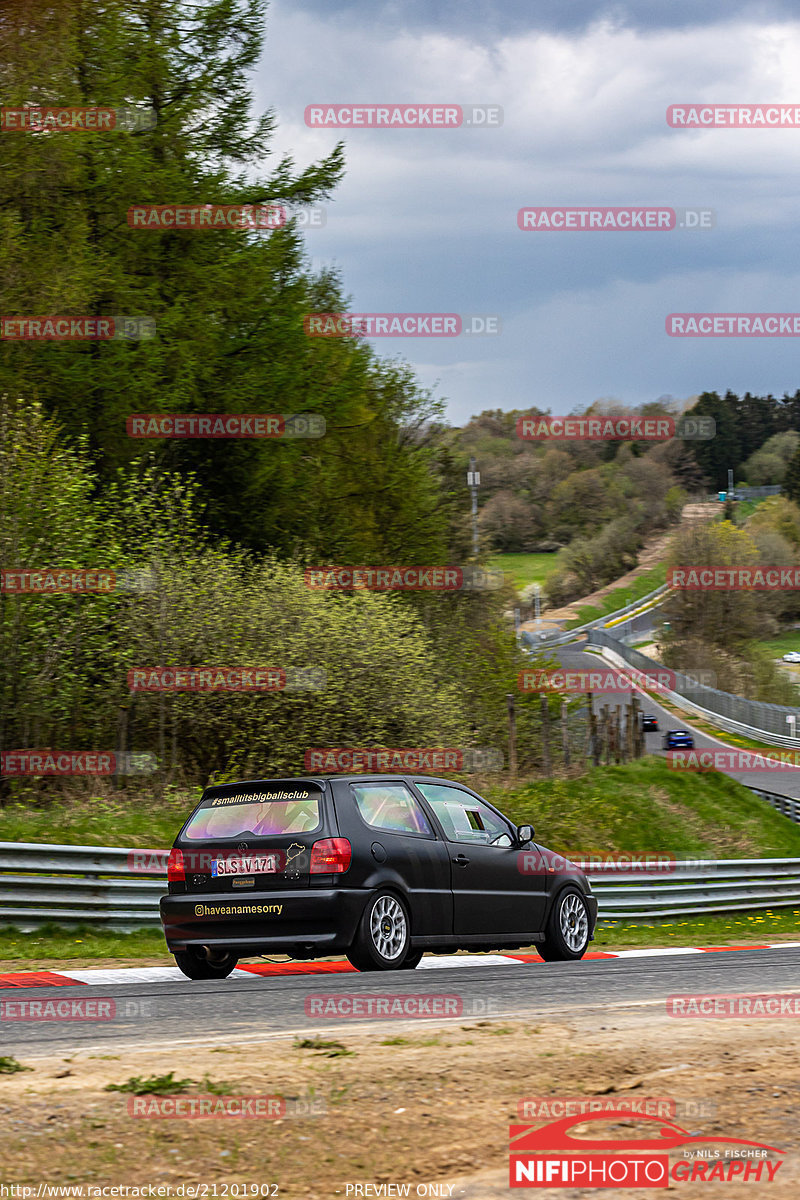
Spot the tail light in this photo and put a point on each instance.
(330, 857)
(176, 870)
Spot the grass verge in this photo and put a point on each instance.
(648, 581)
(646, 807)
(525, 569)
(82, 945)
(715, 929)
(641, 806)
(132, 819)
(783, 643)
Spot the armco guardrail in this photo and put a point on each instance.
(736, 714)
(97, 885)
(530, 638)
(702, 886)
(788, 805)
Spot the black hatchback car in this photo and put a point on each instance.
(378, 868)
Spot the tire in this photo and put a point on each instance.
(567, 934)
(195, 966)
(383, 938)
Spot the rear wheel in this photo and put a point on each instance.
(196, 966)
(383, 939)
(567, 928)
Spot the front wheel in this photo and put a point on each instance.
(567, 928)
(382, 942)
(196, 966)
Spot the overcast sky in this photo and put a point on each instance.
(426, 220)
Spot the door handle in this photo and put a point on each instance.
(461, 860)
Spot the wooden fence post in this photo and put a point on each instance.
(512, 734)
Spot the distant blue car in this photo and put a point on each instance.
(678, 739)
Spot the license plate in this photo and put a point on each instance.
(251, 864)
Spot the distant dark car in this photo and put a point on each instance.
(380, 869)
(649, 723)
(678, 739)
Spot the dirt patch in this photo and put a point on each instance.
(706, 831)
(402, 1105)
(652, 553)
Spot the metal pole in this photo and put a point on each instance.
(473, 479)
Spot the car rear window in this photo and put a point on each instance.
(268, 813)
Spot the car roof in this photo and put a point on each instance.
(358, 777)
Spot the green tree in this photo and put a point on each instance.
(791, 482)
(229, 306)
(722, 452)
(727, 617)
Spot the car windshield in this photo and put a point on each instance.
(220, 819)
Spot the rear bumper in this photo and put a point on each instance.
(322, 919)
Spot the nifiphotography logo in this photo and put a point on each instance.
(552, 1155)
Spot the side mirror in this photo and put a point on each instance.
(524, 834)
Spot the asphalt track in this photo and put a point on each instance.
(223, 1012)
(784, 782)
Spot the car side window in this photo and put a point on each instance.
(391, 807)
(463, 817)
